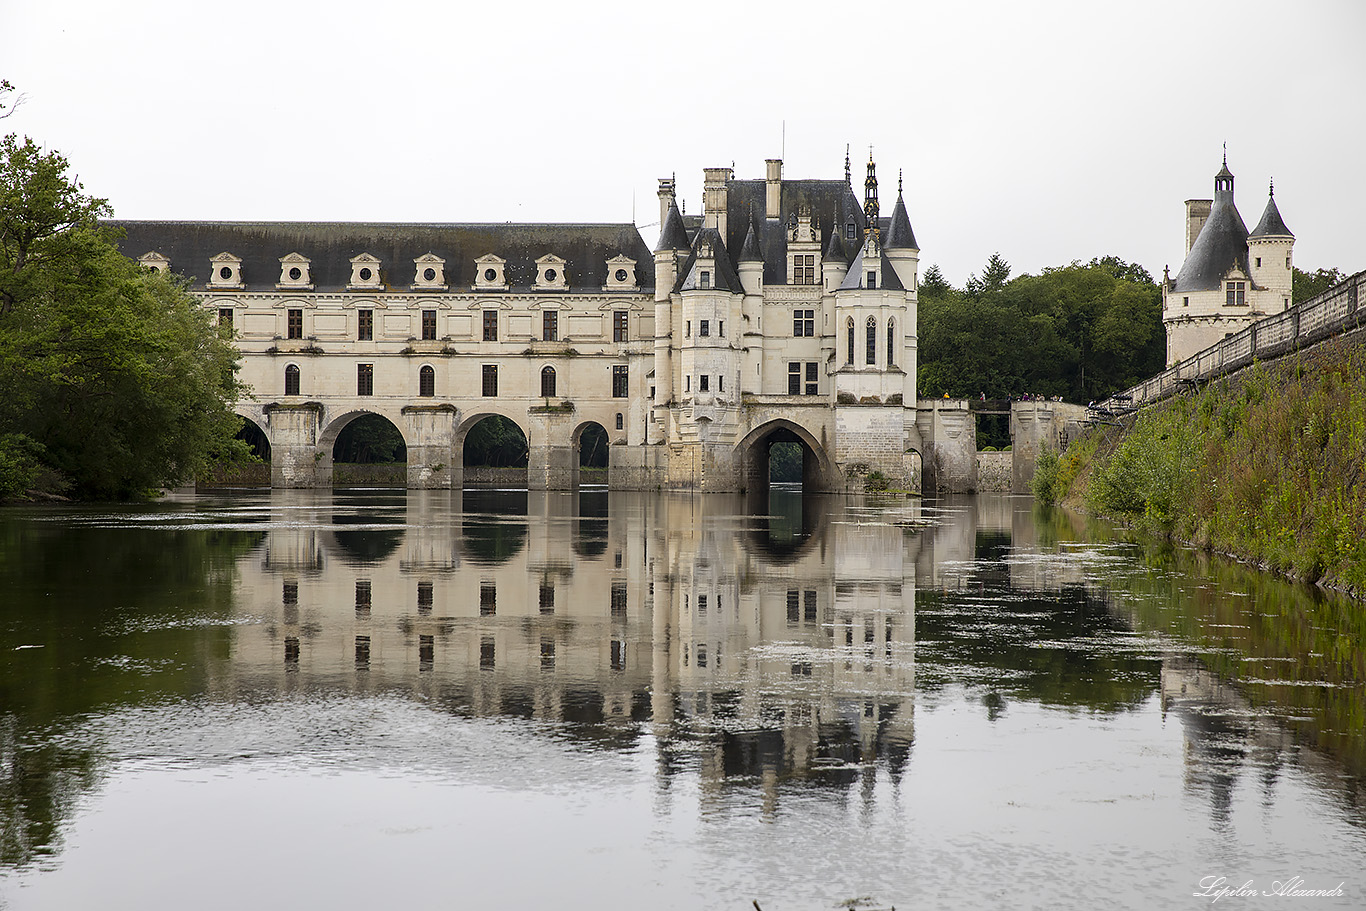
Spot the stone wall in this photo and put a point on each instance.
(993, 471)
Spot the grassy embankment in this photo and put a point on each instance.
(1266, 466)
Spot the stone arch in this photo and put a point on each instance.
(592, 445)
(331, 433)
(818, 473)
(495, 475)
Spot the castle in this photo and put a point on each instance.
(1230, 279)
(785, 312)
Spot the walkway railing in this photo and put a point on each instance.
(1333, 312)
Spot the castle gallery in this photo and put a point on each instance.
(785, 312)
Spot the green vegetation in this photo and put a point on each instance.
(116, 382)
(1080, 332)
(370, 439)
(1267, 466)
(496, 441)
(1307, 285)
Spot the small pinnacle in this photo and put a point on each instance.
(1273, 186)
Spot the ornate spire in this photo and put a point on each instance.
(848, 174)
(870, 205)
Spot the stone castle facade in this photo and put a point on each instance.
(1231, 278)
(785, 312)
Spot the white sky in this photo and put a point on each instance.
(1048, 131)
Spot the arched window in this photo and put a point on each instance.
(292, 380)
(871, 353)
(548, 382)
(426, 382)
(621, 422)
(891, 343)
(849, 355)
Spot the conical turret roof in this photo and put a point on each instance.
(1221, 245)
(750, 252)
(899, 233)
(1271, 225)
(834, 250)
(672, 235)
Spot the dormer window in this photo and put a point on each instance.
(621, 274)
(294, 273)
(364, 274)
(872, 280)
(1235, 293)
(429, 273)
(225, 271)
(489, 273)
(155, 260)
(550, 274)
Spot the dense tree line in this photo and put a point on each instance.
(115, 381)
(1078, 331)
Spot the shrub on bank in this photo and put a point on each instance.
(1267, 466)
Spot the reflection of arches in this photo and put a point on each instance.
(786, 524)
(590, 528)
(753, 452)
(292, 379)
(367, 545)
(494, 528)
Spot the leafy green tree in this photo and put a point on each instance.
(370, 439)
(496, 441)
(113, 371)
(1308, 285)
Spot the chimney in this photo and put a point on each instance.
(666, 198)
(773, 196)
(1197, 213)
(714, 197)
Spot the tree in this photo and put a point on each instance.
(114, 375)
(1308, 285)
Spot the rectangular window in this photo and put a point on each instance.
(424, 596)
(812, 382)
(490, 380)
(687, 382)
(550, 325)
(804, 323)
(687, 328)
(809, 606)
(804, 269)
(365, 379)
(619, 600)
(721, 328)
(490, 325)
(488, 599)
(619, 333)
(794, 606)
(296, 324)
(488, 653)
(1234, 293)
(547, 598)
(426, 651)
(720, 382)
(620, 381)
(225, 317)
(704, 328)
(429, 325)
(362, 651)
(872, 280)
(794, 378)
(363, 596)
(705, 280)
(365, 325)
(704, 383)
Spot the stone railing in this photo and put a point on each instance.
(1333, 312)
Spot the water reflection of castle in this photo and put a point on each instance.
(782, 644)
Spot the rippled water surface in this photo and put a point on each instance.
(502, 699)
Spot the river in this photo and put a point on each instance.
(436, 699)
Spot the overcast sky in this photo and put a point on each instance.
(1049, 131)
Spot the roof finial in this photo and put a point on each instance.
(898, 181)
(848, 175)
(1273, 186)
(1226, 153)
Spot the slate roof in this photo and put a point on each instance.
(723, 277)
(1221, 245)
(330, 246)
(899, 234)
(750, 252)
(1271, 225)
(832, 204)
(673, 235)
(854, 278)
